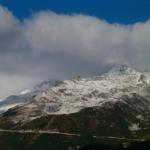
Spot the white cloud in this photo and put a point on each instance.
(50, 45)
(9, 30)
(89, 38)
(8, 21)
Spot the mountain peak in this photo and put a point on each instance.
(120, 70)
(39, 87)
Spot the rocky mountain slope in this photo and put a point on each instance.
(116, 103)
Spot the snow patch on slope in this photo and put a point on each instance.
(134, 127)
(5, 108)
(25, 92)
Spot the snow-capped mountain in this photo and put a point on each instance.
(120, 70)
(73, 95)
(40, 87)
(25, 95)
(120, 96)
(78, 93)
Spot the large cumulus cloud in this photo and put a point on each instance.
(89, 38)
(50, 45)
(9, 30)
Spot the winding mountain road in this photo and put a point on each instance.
(39, 131)
(67, 134)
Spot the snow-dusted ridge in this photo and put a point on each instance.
(24, 96)
(120, 70)
(71, 96)
(39, 87)
(74, 95)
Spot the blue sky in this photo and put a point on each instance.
(120, 11)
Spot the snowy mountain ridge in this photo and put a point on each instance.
(71, 96)
(15, 100)
(120, 70)
(39, 87)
